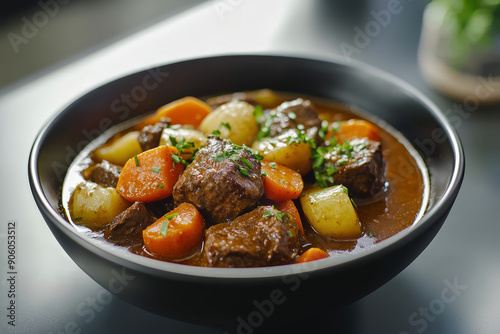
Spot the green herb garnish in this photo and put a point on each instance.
(78, 218)
(355, 206)
(155, 169)
(246, 162)
(136, 161)
(172, 216)
(164, 225)
(273, 212)
(257, 111)
(160, 186)
(244, 171)
(323, 130)
(178, 159)
(273, 165)
(164, 228)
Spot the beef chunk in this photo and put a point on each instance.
(151, 134)
(360, 166)
(216, 181)
(256, 239)
(105, 174)
(130, 223)
(289, 115)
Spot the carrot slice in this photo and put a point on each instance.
(312, 254)
(175, 234)
(289, 207)
(186, 111)
(149, 176)
(355, 128)
(280, 182)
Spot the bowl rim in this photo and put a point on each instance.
(162, 268)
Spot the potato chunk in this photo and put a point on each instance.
(95, 206)
(120, 150)
(331, 212)
(295, 156)
(239, 116)
(189, 135)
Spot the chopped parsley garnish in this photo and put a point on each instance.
(264, 174)
(265, 123)
(273, 165)
(217, 132)
(164, 228)
(246, 162)
(290, 233)
(323, 130)
(155, 169)
(370, 234)
(136, 161)
(268, 213)
(347, 149)
(178, 159)
(257, 111)
(78, 218)
(355, 206)
(234, 155)
(164, 225)
(273, 212)
(323, 169)
(344, 188)
(244, 171)
(300, 137)
(160, 186)
(172, 216)
(180, 145)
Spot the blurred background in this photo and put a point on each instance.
(75, 28)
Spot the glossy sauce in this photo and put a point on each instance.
(398, 206)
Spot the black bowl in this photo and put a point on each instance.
(246, 296)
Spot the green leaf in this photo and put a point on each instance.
(172, 216)
(136, 161)
(246, 162)
(257, 111)
(244, 171)
(164, 228)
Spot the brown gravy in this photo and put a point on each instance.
(398, 207)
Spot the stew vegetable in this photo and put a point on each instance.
(247, 179)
